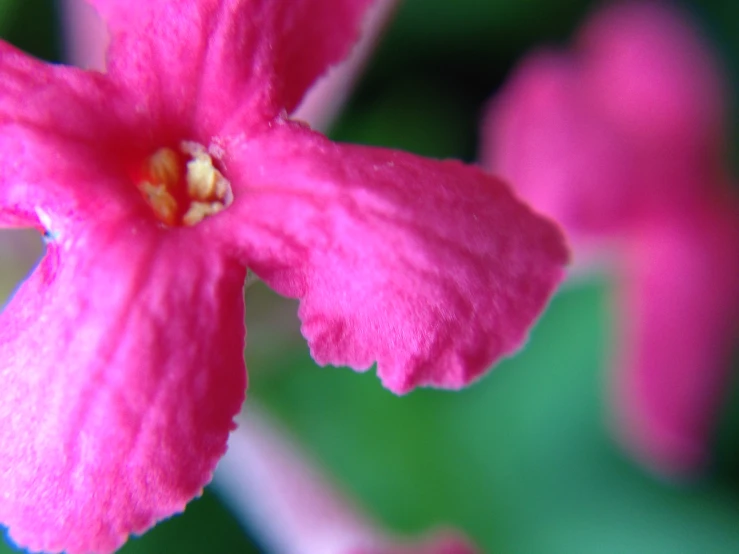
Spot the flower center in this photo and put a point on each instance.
(183, 187)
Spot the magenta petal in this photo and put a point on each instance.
(122, 370)
(221, 59)
(626, 126)
(432, 269)
(65, 101)
(621, 142)
(62, 132)
(654, 78)
(678, 316)
(530, 134)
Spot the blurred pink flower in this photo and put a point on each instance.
(157, 184)
(293, 509)
(621, 140)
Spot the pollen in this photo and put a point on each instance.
(183, 186)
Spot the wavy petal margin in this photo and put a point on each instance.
(432, 269)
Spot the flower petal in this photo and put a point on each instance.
(621, 141)
(678, 311)
(122, 368)
(63, 133)
(432, 269)
(215, 59)
(655, 79)
(529, 135)
(627, 125)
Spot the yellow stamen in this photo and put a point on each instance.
(199, 211)
(161, 201)
(164, 167)
(178, 199)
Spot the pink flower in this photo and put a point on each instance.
(293, 509)
(157, 184)
(621, 141)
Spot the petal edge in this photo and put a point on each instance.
(432, 269)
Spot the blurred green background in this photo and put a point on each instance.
(523, 461)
